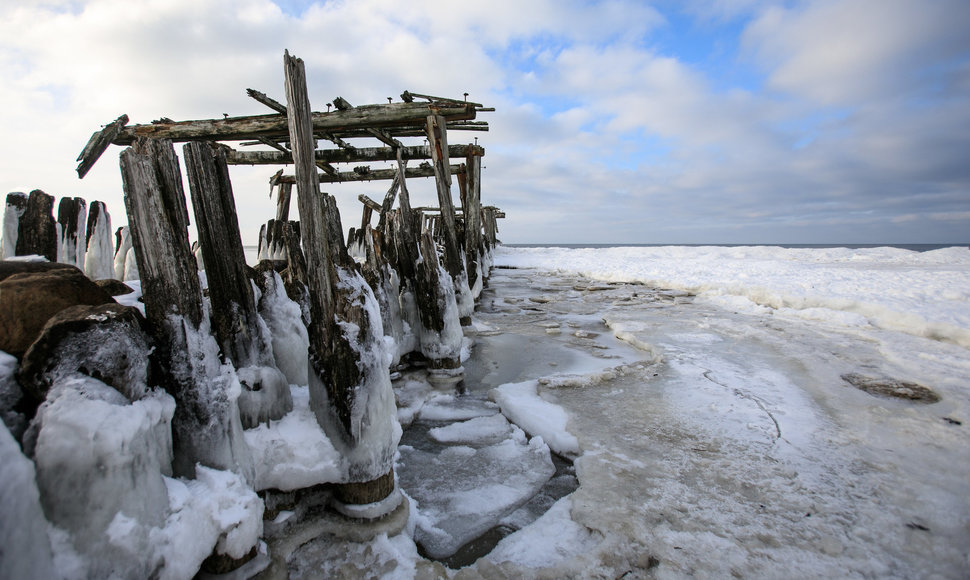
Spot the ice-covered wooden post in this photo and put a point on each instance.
(37, 233)
(71, 214)
(13, 210)
(453, 262)
(206, 428)
(99, 252)
(472, 207)
(236, 324)
(350, 386)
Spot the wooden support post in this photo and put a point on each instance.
(206, 427)
(283, 202)
(454, 263)
(235, 322)
(71, 215)
(472, 206)
(13, 212)
(38, 231)
(350, 396)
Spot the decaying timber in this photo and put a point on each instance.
(206, 428)
(350, 395)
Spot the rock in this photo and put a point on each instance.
(105, 342)
(10, 267)
(114, 287)
(28, 300)
(889, 387)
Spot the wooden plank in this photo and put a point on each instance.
(251, 127)
(343, 105)
(472, 205)
(354, 155)
(97, 144)
(269, 102)
(372, 175)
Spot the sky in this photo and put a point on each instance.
(670, 122)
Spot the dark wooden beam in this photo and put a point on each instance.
(356, 155)
(97, 144)
(372, 175)
(269, 102)
(251, 127)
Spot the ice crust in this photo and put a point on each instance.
(919, 293)
(484, 485)
(10, 233)
(521, 403)
(99, 257)
(367, 450)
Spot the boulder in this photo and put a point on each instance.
(30, 298)
(114, 287)
(106, 342)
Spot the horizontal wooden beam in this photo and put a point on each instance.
(252, 127)
(374, 174)
(355, 155)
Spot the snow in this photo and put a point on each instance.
(919, 293)
(521, 403)
(293, 453)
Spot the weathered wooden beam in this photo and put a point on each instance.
(368, 202)
(408, 97)
(355, 155)
(472, 205)
(372, 175)
(343, 105)
(251, 127)
(97, 144)
(269, 102)
(37, 233)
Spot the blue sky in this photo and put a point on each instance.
(695, 121)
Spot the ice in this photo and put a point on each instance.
(11, 225)
(552, 539)
(10, 395)
(367, 447)
(479, 431)
(265, 395)
(446, 344)
(289, 335)
(121, 253)
(293, 453)
(483, 486)
(449, 407)
(732, 446)
(97, 457)
(25, 548)
(99, 257)
(521, 403)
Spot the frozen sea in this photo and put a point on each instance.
(709, 397)
(653, 412)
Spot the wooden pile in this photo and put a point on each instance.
(418, 268)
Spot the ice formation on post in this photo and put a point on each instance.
(71, 216)
(99, 258)
(122, 246)
(13, 211)
(288, 333)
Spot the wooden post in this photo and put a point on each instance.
(37, 233)
(71, 215)
(206, 427)
(351, 396)
(472, 206)
(454, 264)
(236, 325)
(283, 202)
(13, 212)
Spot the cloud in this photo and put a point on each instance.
(843, 118)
